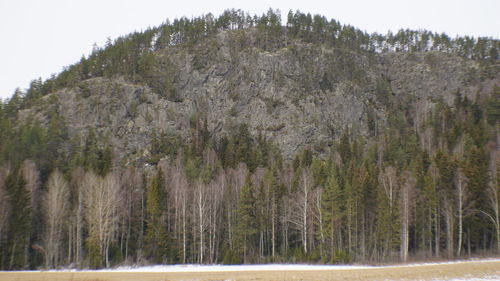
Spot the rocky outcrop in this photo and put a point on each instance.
(303, 95)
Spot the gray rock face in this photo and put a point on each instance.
(299, 96)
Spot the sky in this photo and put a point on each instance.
(39, 38)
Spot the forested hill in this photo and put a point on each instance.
(252, 139)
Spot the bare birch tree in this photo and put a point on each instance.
(55, 205)
(180, 200)
(201, 202)
(462, 204)
(286, 176)
(76, 220)
(101, 202)
(216, 191)
(301, 203)
(318, 214)
(406, 199)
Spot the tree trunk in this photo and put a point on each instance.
(70, 241)
(79, 228)
(449, 230)
(429, 230)
(273, 231)
(184, 230)
(498, 233)
(437, 230)
(200, 227)
(460, 216)
(304, 215)
(13, 251)
(320, 222)
(461, 185)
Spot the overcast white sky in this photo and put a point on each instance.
(38, 38)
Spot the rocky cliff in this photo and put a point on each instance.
(298, 95)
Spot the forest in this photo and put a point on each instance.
(417, 188)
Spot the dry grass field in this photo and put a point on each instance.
(473, 270)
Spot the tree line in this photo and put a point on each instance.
(135, 56)
(421, 187)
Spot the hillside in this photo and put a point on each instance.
(239, 139)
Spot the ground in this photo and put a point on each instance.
(478, 270)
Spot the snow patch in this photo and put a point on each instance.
(272, 267)
(232, 268)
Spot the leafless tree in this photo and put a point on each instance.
(180, 199)
(388, 178)
(201, 204)
(131, 195)
(427, 140)
(318, 214)
(101, 210)
(286, 176)
(301, 207)
(271, 187)
(389, 183)
(216, 192)
(32, 177)
(462, 204)
(493, 193)
(76, 221)
(56, 205)
(407, 201)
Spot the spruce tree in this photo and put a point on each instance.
(246, 227)
(331, 204)
(20, 219)
(156, 229)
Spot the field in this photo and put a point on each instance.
(468, 270)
